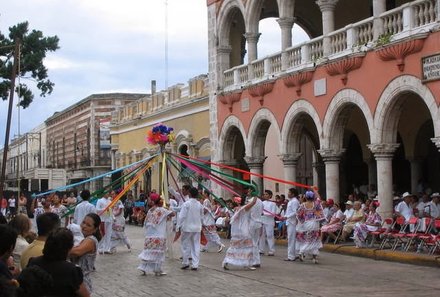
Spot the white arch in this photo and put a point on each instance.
(252, 15)
(223, 15)
(230, 122)
(387, 114)
(259, 116)
(297, 108)
(332, 137)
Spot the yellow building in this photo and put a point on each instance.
(182, 107)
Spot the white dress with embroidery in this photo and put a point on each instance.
(153, 255)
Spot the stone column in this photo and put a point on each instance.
(327, 8)
(416, 172)
(331, 160)
(218, 190)
(372, 171)
(252, 41)
(379, 7)
(255, 165)
(290, 161)
(286, 25)
(383, 153)
(223, 53)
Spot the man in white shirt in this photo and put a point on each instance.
(268, 220)
(189, 223)
(348, 213)
(83, 208)
(291, 221)
(255, 227)
(404, 208)
(434, 206)
(107, 220)
(182, 196)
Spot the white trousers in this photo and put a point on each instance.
(291, 241)
(190, 245)
(105, 244)
(255, 234)
(267, 234)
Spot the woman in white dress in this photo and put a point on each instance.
(309, 214)
(240, 251)
(118, 228)
(155, 224)
(209, 228)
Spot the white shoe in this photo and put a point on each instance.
(251, 268)
(220, 249)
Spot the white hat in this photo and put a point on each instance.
(406, 194)
(436, 194)
(349, 202)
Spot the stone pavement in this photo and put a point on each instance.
(335, 275)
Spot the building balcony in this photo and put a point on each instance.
(411, 20)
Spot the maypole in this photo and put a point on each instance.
(161, 135)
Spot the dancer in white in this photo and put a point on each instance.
(118, 228)
(268, 219)
(240, 251)
(155, 224)
(107, 219)
(83, 208)
(189, 224)
(255, 227)
(209, 228)
(291, 221)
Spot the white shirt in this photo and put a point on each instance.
(81, 210)
(434, 209)
(348, 213)
(269, 210)
(100, 206)
(291, 209)
(255, 213)
(179, 198)
(190, 216)
(404, 209)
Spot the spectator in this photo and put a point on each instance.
(83, 208)
(358, 216)
(45, 224)
(22, 204)
(128, 208)
(22, 225)
(59, 209)
(7, 244)
(34, 282)
(335, 223)
(12, 202)
(67, 277)
(85, 253)
(404, 208)
(372, 223)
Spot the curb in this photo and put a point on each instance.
(376, 254)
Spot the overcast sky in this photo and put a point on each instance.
(114, 46)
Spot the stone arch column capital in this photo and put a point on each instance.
(224, 49)
(286, 22)
(252, 37)
(383, 150)
(255, 162)
(290, 159)
(231, 162)
(327, 5)
(331, 155)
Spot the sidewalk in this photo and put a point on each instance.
(376, 254)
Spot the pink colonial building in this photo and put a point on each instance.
(355, 106)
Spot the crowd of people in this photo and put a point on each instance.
(59, 258)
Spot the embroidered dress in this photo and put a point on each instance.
(307, 230)
(335, 223)
(240, 251)
(155, 226)
(118, 227)
(361, 229)
(209, 229)
(87, 264)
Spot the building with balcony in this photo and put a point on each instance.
(182, 107)
(355, 106)
(78, 139)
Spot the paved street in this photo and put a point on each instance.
(335, 275)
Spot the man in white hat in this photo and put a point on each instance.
(434, 206)
(404, 209)
(348, 213)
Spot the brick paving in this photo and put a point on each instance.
(335, 275)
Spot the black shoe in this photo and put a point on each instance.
(256, 265)
(184, 267)
(287, 259)
(296, 258)
(193, 268)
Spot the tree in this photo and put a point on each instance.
(23, 54)
(34, 47)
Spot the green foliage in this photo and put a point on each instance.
(384, 39)
(34, 46)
